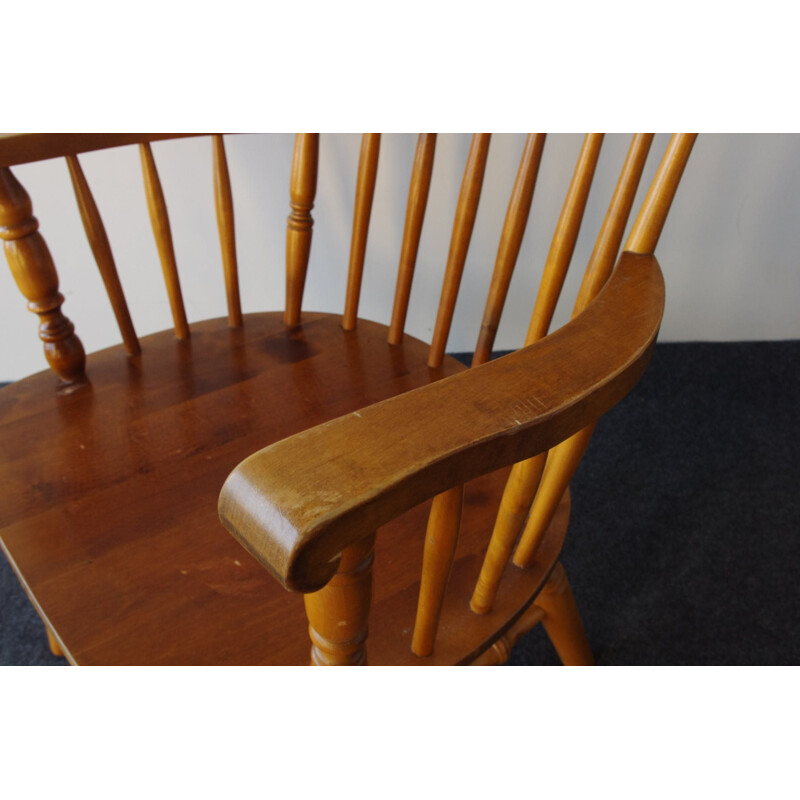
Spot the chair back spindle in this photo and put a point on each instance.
(606, 249)
(563, 460)
(159, 219)
(303, 190)
(566, 235)
(35, 274)
(415, 214)
(525, 477)
(365, 191)
(223, 203)
(466, 211)
(98, 241)
(516, 220)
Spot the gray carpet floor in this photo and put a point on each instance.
(684, 544)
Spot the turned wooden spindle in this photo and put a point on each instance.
(562, 622)
(98, 241)
(519, 207)
(223, 203)
(524, 477)
(566, 235)
(339, 612)
(415, 214)
(159, 219)
(563, 460)
(302, 191)
(444, 520)
(606, 248)
(35, 275)
(365, 191)
(466, 211)
(441, 538)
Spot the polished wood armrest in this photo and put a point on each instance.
(296, 504)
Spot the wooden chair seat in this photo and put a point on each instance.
(119, 541)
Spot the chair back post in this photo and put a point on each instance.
(338, 613)
(303, 189)
(35, 274)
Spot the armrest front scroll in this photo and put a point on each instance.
(297, 504)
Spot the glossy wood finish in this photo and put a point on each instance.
(157, 206)
(21, 148)
(525, 477)
(519, 206)
(441, 538)
(466, 211)
(564, 459)
(339, 612)
(36, 277)
(415, 214)
(223, 203)
(564, 239)
(98, 241)
(299, 225)
(110, 493)
(281, 502)
(606, 248)
(109, 520)
(365, 191)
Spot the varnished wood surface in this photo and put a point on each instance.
(159, 218)
(223, 204)
(20, 148)
(109, 502)
(101, 249)
(35, 275)
(418, 190)
(516, 220)
(299, 503)
(166, 429)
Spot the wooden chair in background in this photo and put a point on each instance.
(114, 476)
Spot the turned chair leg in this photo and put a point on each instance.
(55, 647)
(562, 621)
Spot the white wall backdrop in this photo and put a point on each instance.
(729, 250)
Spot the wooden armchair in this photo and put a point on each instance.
(306, 433)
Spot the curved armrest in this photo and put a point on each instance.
(296, 504)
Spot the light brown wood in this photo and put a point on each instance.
(223, 202)
(520, 491)
(281, 503)
(515, 504)
(35, 275)
(339, 612)
(415, 214)
(566, 235)
(466, 211)
(441, 538)
(563, 622)
(98, 241)
(299, 225)
(564, 460)
(560, 466)
(157, 206)
(653, 214)
(606, 249)
(519, 206)
(365, 191)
